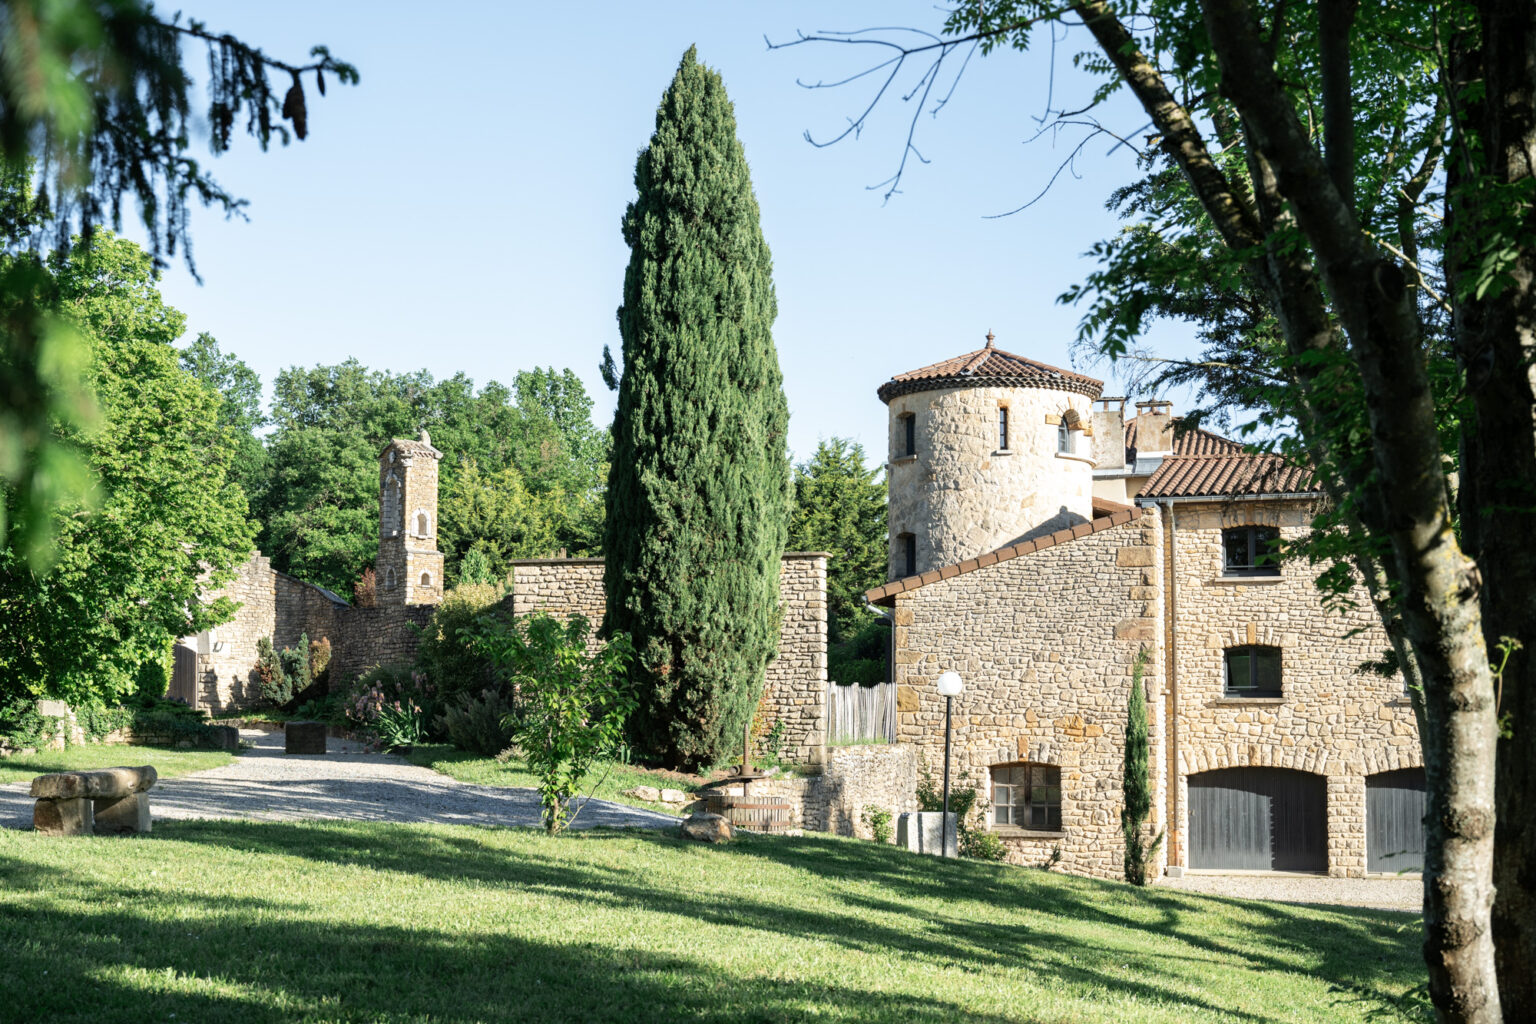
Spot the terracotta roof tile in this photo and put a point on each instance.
(1118, 516)
(1227, 476)
(989, 368)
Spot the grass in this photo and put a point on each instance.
(259, 923)
(609, 781)
(168, 763)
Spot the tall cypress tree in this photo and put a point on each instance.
(1137, 782)
(698, 490)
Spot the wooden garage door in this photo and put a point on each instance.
(1258, 819)
(1394, 821)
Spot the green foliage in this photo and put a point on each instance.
(239, 391)
(448, 655)
(483, 724)
(860, 657)
(475, 567)
(271, 677)
(1137, 781)
(697, 495)
(98, 720)
(390, 705)
(878, 821)
(839, 507)
(320, 659)
(521, 474)
(164, 524)
(574, 701)
(968, 805)
(295, 662)
(23, 726)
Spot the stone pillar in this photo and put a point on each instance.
(1346, 826)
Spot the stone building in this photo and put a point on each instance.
(1043, 543)
(409, 568)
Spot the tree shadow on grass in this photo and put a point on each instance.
(938, 915)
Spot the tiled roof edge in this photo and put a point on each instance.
(886, 593)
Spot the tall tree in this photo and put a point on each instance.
(839, 508)
(239, 390)
(1413, 206)
(698, 491)
(95, 108)
(166, 522)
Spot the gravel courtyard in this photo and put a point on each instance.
(265, 784)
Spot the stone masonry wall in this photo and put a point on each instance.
(856, 777)
(375, 636)
(1045, 644)
(1331, 719)
(961, 496)
(795, 687)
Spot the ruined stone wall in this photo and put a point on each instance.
(226, 654)
(796, 681)
(854, 778)
(960, 496)
(1045, 645)
(1331, 719)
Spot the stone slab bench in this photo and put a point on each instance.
(106, 802)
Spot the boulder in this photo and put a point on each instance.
(107, 783)
(650, 793)
(673, 796)
(706, 828)
(72, 817)
(304, 738)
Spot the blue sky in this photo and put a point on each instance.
(459, 209)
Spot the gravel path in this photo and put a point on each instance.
(265, 784)
(1376, 893)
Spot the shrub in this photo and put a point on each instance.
(483, 724)
(574, 700)
(447, 656)
(271, 679)
(878, 821)
(22, 725)
(365, 592)
(320, 659)
(98, 720)
(295, 661)
(390, 705)
(969, 807)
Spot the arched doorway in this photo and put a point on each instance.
(1258, 819)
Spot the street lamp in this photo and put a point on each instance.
(950, 688)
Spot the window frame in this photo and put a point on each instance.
(1253, 691)
(1050, 809)
(908, 554)
(908, 435)
(1253, 568)
(1002, 428)
(1065, 443)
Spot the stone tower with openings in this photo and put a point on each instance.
(986, 449)
(409, 568)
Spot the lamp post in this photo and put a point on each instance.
(950, 688)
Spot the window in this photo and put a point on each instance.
(908, 555)
(1253, 671)
(426, 579)
(908, 434)
(1027, 796)
(1251, 551)
(421, 524)
(1002, 428)
(389, 579)
(1064, 438)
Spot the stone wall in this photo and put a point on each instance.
(796, 681)
(1331, 719)
(961, 496)
(375, 636)
(856, 777)
(1045, 643)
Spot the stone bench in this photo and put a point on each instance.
(107, 802)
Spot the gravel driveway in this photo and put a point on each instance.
(265, 784)
(1377, 893)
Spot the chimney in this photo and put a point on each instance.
(1109, 433)
(1154, 428)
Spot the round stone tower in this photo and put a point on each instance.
(987, 449)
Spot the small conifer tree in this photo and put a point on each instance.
(1137, 784)
(698, 491)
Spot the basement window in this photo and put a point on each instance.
(1250, 551)
(1027, 796)
(1253, 670)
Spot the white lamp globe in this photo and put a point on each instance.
(950, 685)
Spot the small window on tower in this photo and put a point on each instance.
(908, 435)
(426, 579)
(908, 564)
(421, 524)
(1002, 428)
(1064, 438)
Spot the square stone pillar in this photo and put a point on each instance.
(122, 814)
(74, 817)
(1346, 826)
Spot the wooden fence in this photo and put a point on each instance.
(861, 714)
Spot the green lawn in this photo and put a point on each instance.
(264, 923)
(168, 763)
(609, 781)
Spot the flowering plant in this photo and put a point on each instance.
(388, 707)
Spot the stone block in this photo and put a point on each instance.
(673, 796)
(71, 817)
(1134, 556)
(906, 698)
(706, 828)
(650, 793)
(122, 815)
(103, 783)
(923, 831)
(304, 738)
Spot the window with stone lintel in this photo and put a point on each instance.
(1027, 795)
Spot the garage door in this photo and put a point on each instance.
(1258, 819)
(1394, 821)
